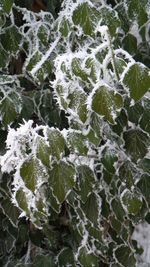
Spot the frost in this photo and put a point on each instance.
(16, 146)
(45, 57)
(80, 170)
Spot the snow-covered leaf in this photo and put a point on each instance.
(107, 103)
(86, 181)
(56, 142)
(45, 69)
(132, 202)
(11, 39)
(125, 256)
(65, 27)
(31, 171)
(137, 11)
(6, 5)
(43, 151)
(109, 18)
(78, 104)
(109, 157)
(87, 17)
(144, 186)
(88, 258)
(77, 143)
(141, 77)
(130, 43)
(136, 143)
(10, 107)
(61, 179)
(92, 208)
(77, 70)
(66, 257)
(22, 200)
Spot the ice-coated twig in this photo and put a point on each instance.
(45, 57)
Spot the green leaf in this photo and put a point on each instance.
(107, 103)
(136, 143)
(61, 179)
(31, 172)
(145, 165)
(27, 107)
(56, 142)
(11, 39)
(109, 18)
(2, 18)
(118, 209)
(7, 111)
(124, 256)
(78, 104)
(121, 122)
(123, 16)
(10, 107)
(53, 7)
(109, 157)
(52, 200)
(86, 181)
(11, 211)
(34, 60)
(88, 258)
(44, 261)
(92, 208)
(6, 5)
(43, 35)
(127, 173)
(96, 125)
(45, 69)
(144, 186)
(131, 201)
(141, 77)
(3, 57)
(77, 69)
(116, 225)
(120, 64)
(66, 257)
(22, 200)
(77, 143)
(145, 118)
(65, 27)
(130, 43)
(91, 64)
(43, 151)
(61, 96)
(93, 138)
(135, 112)
(87, 17)
(137, 11)
(107, 176)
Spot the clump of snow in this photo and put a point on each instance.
(16, 146)
(142, 235)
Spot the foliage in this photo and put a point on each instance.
(74, 112)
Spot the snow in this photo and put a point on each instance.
(134, 30)
(142, 235)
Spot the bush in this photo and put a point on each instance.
(75, 115)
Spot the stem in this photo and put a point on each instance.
(45, 57)
(27, 258)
